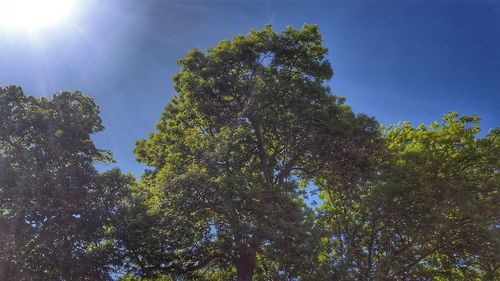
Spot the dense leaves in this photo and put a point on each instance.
(56, 210)
(430, 210)
(251, 121)
(251, 134)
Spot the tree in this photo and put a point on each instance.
(429, 211)
(56, 210)
(232, 152)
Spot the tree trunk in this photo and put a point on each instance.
(245, 266)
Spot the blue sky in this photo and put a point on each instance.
(394, 60)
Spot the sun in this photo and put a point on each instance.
(34, 15)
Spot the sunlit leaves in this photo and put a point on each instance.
(429, 210)
(252, 122)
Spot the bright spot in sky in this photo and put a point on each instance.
(33, 16)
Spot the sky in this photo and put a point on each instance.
(393, 60)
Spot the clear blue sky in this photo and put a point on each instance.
(394, 60)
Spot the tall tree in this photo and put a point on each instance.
(250, 124)
(56, 210)
(429, 211)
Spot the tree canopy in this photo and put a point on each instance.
(251, 139)
(55, 208)
(429, 211)
(252, 122)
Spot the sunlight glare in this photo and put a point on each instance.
(34, 15)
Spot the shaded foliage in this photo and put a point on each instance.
(56, 210)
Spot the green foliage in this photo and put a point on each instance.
(252, 128)
(429, 211)
(252, 119)
(56, 210)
